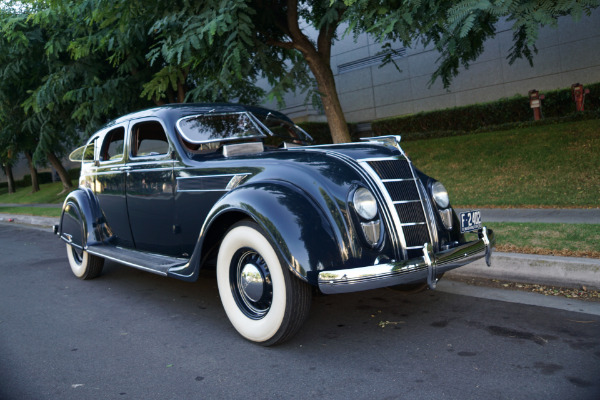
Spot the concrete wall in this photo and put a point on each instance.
(567, 54)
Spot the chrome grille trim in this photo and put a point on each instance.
(396, 235)
(427, 218)
(395, 220)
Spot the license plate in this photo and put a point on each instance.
(470, 221)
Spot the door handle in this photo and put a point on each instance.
(125, 168)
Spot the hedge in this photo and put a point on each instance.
(321, 133)
(43, 177)
(557, 103)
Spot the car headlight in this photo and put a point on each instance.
(365, 203)
(440, 195)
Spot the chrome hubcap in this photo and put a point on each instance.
(250, 281)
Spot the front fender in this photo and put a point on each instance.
(81, 222)
(293, 221)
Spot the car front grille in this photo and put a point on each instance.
(402, 192)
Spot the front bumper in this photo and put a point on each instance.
(419, 269)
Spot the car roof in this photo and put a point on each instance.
(173, 112)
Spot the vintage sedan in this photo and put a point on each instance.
(180, 188)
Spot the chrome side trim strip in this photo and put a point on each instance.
(234, 180)
(397, 180)
(405, 201)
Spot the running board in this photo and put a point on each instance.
(155, 263)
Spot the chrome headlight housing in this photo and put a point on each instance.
(365, 203)
(440, 195)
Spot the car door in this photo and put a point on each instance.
(110, 186)
(150, 193)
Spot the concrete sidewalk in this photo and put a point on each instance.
(526, 268)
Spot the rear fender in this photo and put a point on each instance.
(81, 222)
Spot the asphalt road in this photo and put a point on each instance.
(134, 335)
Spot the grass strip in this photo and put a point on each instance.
(569, 240)
(36, 211)
(541, 166)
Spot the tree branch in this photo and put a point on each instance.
(283, 45)
(299, 40)
(326, 34)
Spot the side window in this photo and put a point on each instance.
(112, 148)
(88, 153)
(148, 139)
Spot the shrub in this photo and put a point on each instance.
(321, 133)
(557, 103)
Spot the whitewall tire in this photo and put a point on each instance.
(264, 302)
(83, 264)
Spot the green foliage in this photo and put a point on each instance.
(459, 29)
(480, 117)
(67, 67)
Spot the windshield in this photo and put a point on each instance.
(283, 128)
(220, 127)
(208, 128)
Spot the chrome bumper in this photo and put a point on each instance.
(419, 269)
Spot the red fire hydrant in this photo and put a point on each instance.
(535, 102)
(578, 95)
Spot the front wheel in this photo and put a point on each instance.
(83, 264)
(261, 298)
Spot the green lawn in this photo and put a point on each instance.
(545, 166)
(579, 240)
(49, 193)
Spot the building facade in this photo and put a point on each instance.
(567, 54)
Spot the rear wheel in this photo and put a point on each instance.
(262, 299)
(83, 264)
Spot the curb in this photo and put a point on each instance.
(44, 222)
(535, 269)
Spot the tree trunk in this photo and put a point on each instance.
(62, 172)
(331, 102)
(319, 59)
(9, 178)
(35, 186)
